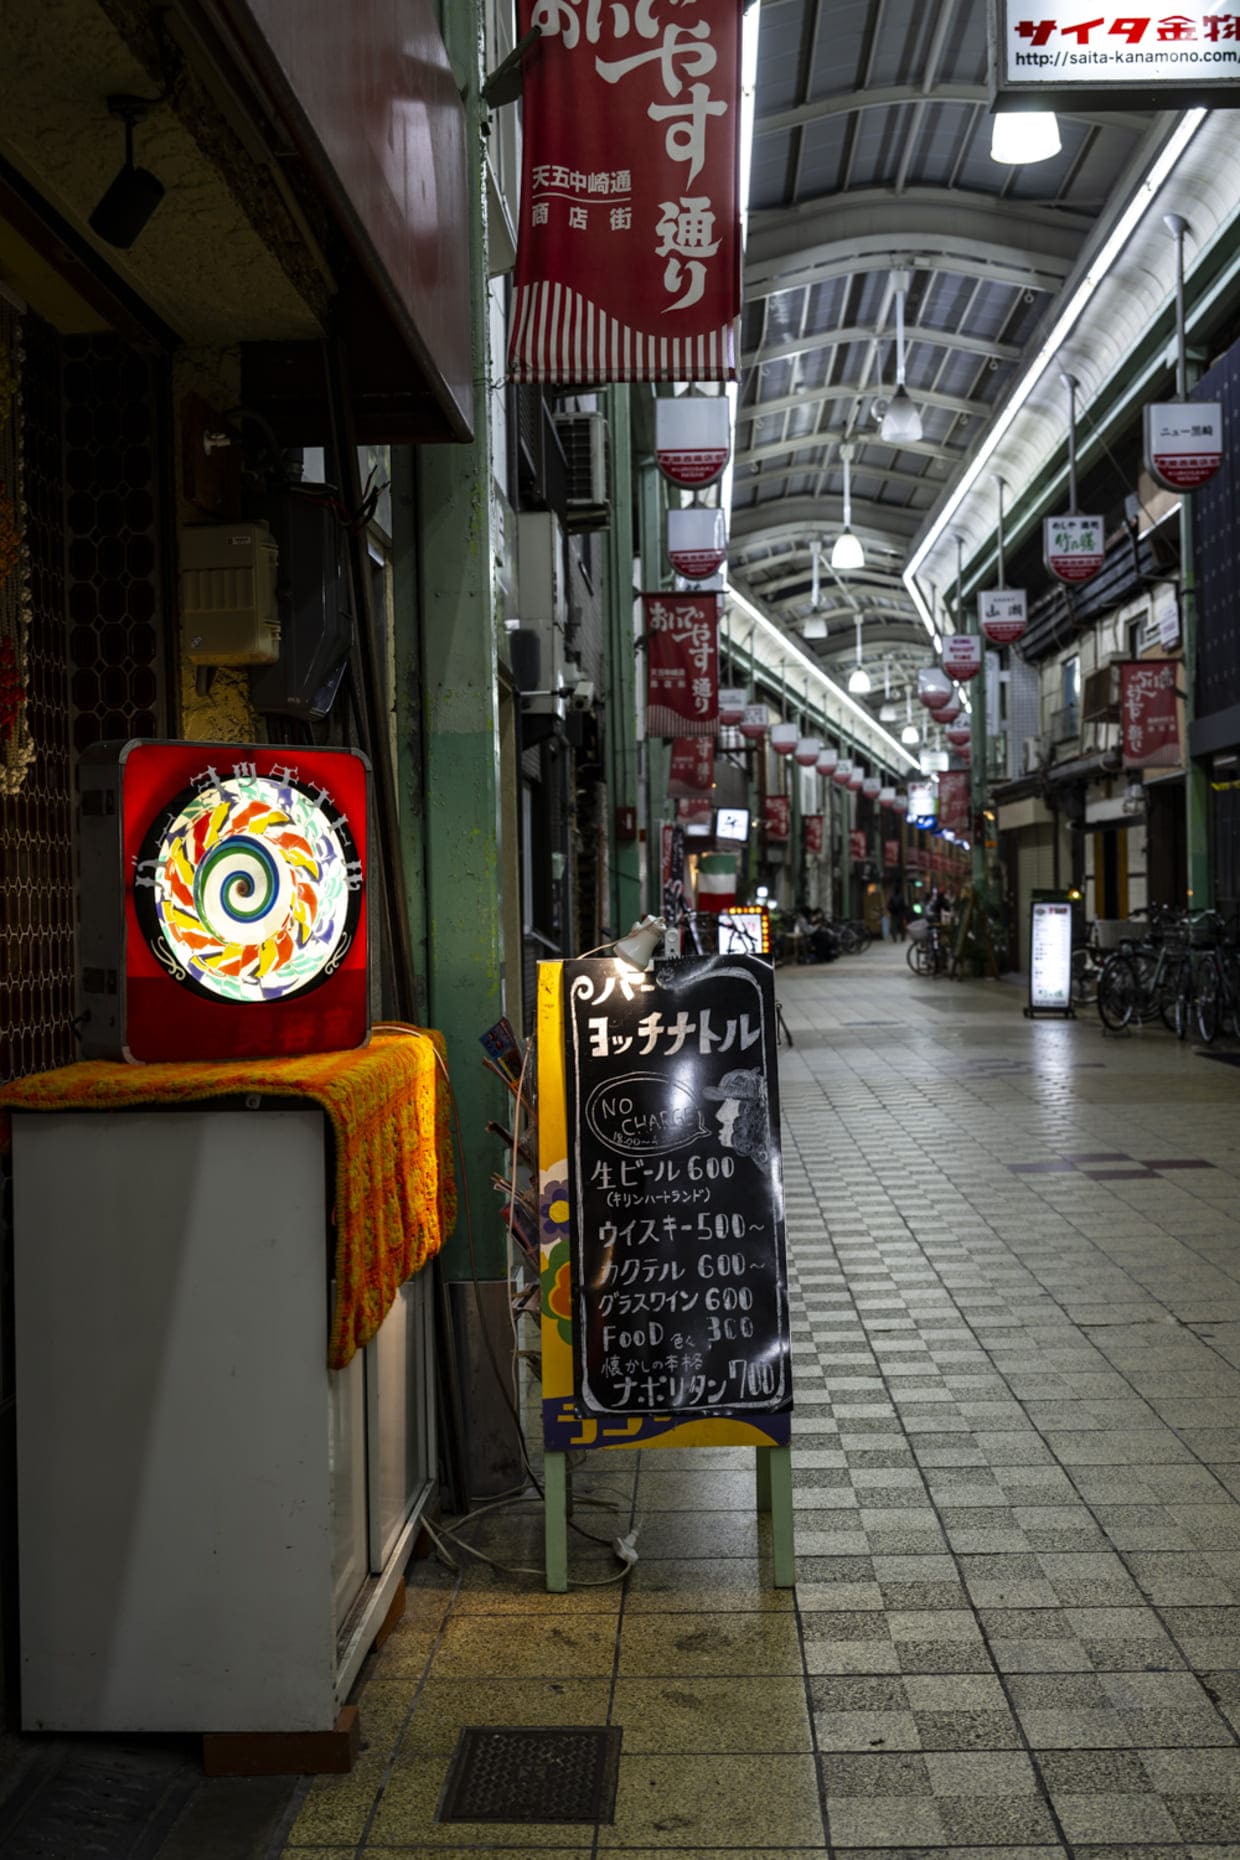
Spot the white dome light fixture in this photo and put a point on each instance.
(902, 421)
(847, 552)
(859, 679)
(1021, 137)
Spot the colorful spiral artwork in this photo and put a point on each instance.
(249, 889)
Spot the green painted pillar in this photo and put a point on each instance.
(460, 818)
(626, 897)
(979, 747)
(1200, 873)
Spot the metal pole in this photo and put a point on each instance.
(977, 745)
(1001, 483)
(1199, 873)
(1071, 383)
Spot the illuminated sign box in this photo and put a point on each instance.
(223, 901)
(1074, 58)
(732, 823)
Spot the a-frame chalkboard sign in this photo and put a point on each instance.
(665, 1317)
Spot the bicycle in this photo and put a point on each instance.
(929, 954)
(1144, 979)
(1088, 962)
(1217, 994)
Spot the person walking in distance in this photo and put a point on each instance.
(897, 911)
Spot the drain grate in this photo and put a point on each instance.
(104, 1803)
(514, 1773)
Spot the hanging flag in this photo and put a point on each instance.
(856, 845)
(812, 828)
(954, 801)
(693, 765)
(776, 817)
(1184, 442)
(1002, 614)
(1149, 719)
(716, 884)
(1073, 548)
(628, 255)
(891, 852)
(682, 664)
(691, 437)
(673, 872)
(697, 542)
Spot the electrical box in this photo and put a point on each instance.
(229, 612)
(543, 603)
(314, 606)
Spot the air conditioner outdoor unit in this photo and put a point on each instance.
(584, 439)
(1032, 758)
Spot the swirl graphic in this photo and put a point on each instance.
(247, 890)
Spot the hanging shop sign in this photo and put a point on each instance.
(807, 750)
(1003, 614)
(1148, 713)
(948, 713)
(891, 852)
(812, 827)
(962, 656)
(691, 437)
(672, 871)
(855, 780)
(934, 687)
(887, 796)
(695, 814)
(828, 761)
(733, 704)
(628, 254)
(716, 881)
(842, 772)
(682, 664)
(1073, 548)
(871, 787)
(784, 738)
(954, 801)
(754, 722)
(776, 817)
(959, 735)
(923, 804)
(1113, 60)
(223, 901)
(1184, 440)
(1050, 958)
(690, 1127)
(901, 802)
(856, 845)
(697, 542)
(692, 770)
(1165, 611)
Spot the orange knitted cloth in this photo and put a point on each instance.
(389, 1107)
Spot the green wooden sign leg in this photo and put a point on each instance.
(779, 1477)
(555, 1520)
(762, 1457)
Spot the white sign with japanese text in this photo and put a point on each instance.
(1050, 958)
(1002, 614)
(1194, 48)
(1184, 442)
(1073, 548)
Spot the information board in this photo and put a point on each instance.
(1050, 958)
(677, 1266)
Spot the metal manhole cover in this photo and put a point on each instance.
(551, 1773)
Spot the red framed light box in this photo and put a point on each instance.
(223, 901)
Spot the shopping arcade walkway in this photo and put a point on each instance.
(1015, 1259)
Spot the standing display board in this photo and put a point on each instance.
(1050, 959)
(665, 1314)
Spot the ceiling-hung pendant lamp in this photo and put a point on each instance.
(847, 552)
(908, 734)
(902, 421)
(1020, 137)
(816, 626)
(859, 678)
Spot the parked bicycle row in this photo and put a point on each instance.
(1182, 972)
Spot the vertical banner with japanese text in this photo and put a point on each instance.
(812, 827)
(776, 818)
(692, 770)
(628, 255)
(672, 871)
(1147, 704)
(682, 664)
(954, 800)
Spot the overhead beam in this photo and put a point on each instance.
(915, 332)
(970, 235)
(792, 519)
(803, 442)
(893, 96)
(925, 397)
(892, 474)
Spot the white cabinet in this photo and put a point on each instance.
(211, 1523)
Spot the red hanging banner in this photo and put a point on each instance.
(695, 811)
(1147, 703)
(776, 817)
(891, 852)
(628, 256)
(954, 801)
(856, 844)
(812, 825)
(682, 664)
(693, 766)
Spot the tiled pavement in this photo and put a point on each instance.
(1015, 1263)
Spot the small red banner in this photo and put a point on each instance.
(776, 817)
(891, 852)
(628, 256)
(693, 766)
(856, 845)
(954, 801)
(1147, 703)
(813, 828)
(682, 664)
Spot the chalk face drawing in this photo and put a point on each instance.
(249, 889)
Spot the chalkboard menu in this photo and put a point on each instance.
(678, 1273)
